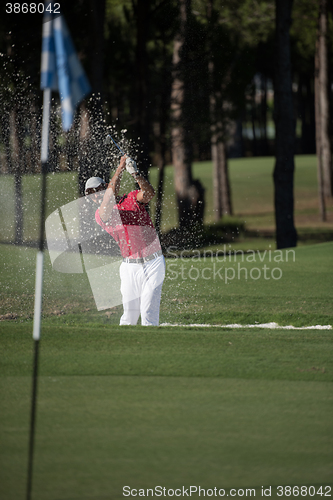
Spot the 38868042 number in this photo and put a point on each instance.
(303, 491)
(32, 8)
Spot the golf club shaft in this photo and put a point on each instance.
(114, 142)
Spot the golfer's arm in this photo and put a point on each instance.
(146, 192)
(114, 183)
(109, 199)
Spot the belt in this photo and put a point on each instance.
(142, 260)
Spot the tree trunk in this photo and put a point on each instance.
(142, 9)
(97, 46)
(286, 235)
(253, 119)
(221, 185)
(263, 104)
(306, 112)
(319, 148)
(95, 103)
(189, 192)
(162, 140)
(164, 103)
(323, 146)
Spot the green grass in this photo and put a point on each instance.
(125, 406)
(98, 350)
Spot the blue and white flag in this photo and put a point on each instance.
(60, 67)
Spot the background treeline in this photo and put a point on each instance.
(199, 73)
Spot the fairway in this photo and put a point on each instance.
(129, 407)
(172, 407)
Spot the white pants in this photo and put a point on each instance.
(141, 288)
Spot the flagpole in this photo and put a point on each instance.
(60, 70)
(39, 282)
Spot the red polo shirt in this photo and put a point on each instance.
(131, 227)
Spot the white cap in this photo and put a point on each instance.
(92, 183)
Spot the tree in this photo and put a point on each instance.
(189, 192)
(286, 235)
(303, 40)
(323, 146)
(164, 105)
(97, 10)
(142, 10)
(221, 185)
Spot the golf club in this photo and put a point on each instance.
(108, 140)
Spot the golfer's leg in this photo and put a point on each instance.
(131, 299)
(131, 312)
(151, 292)
(150, 306)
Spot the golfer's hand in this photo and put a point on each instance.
(122, 164)
(131, 166)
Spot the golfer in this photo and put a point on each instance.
(126, 219)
